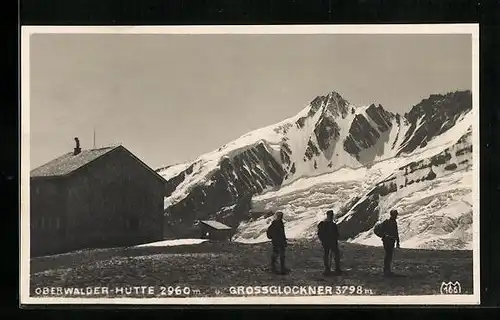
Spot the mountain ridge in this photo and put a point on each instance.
(328, 134)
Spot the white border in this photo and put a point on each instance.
(27, 31)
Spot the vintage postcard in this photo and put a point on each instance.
(250, 165)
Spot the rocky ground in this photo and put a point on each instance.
(209, 267)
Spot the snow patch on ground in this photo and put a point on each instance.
(170, 243)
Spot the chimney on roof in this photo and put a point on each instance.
(77, 148)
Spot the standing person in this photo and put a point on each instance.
(328, 234)
(276, 232)
(388, 231)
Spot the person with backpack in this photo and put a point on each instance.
(276, 232)
(388, 232)
(328, 234)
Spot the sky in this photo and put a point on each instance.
(170, 98)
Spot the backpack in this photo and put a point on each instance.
(269, 231)
(323, 233)
(321, 230)
(379, 229)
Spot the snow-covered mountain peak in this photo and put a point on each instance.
(327, 137)
(332, 103)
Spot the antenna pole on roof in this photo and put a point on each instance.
(94, 137)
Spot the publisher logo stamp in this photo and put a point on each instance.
(450, 287)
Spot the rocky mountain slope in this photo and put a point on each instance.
(343, 156)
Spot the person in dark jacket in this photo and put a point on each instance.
(276, 232)
(328, 234)
(390, 237)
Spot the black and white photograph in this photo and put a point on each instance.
(250, 165)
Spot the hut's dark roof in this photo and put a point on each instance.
(68, 162)
(215, 224)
